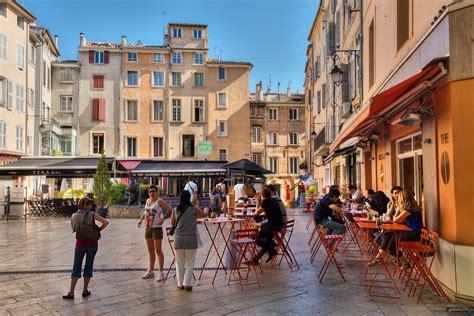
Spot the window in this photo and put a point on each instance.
(20, 98)
(98, 81)
(31, 99)
(318, 101)
(176, 79)
(176, 110)
(176, 58)
(3, 89)
(20, 22)
(66, 103)
(158, 110)
(253, 112)
(371, 54)
(293, 115)
(19, 138)
(20, 56)
(256, 134)
(158, 79)
(3, 46)
(49, 78)
(293, 165)
(97, 143)
(197, 34)
(188, 145)
(3, 9)
(131, 147)
(158, 147)
(273, 138)
(198, 58)
(199, 110)
(98, 57)
(293, 137)
(257, 158)
(158, 58)
(66, 74)
(403, 22)
(222, 128)
(132, 56)
(221, 75)
(273, 164)
(198, 79)
(223, 154)
(43, 72)
(132, 78)
(3, 135)
(98, 109)
(273, 114)
(177, 33)
(222, 100)
(66, 146)
(31, 53)
(132, 110)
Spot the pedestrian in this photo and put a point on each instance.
(192, 188)
(216, 201)
(223, 190)
(156, 211)
(81, 221)
(239, 191)
(184, 217)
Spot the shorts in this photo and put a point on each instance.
(154, 233)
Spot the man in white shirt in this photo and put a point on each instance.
(239, 190)
(356, 195)
(193, 190)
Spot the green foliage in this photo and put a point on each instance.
(102, 185)
(56, 152)
(77, 194)
(117, 193)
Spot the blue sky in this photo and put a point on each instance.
(272, 34)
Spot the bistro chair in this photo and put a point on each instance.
(283, 238)
(330, 250)
(245, 241)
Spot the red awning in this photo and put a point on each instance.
(130, 164)
(383, 103)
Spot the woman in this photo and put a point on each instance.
(184, 216)
(154, 216)
(378, 204)
(83, 249)
(216, 201)
(410, 215)
(223, 191)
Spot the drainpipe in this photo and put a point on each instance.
(361, 70)
(76, 141)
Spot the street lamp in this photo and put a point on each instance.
(336, 75)
(42, 128)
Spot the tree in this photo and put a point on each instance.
(102, 185)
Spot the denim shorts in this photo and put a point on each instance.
(79, 254)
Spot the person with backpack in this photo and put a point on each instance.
(216, 201)
(87, 237)
(223, 191)
(192, 188)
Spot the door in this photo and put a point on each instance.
(410, 165)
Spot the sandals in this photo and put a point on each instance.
(69, 296)
(188, 288)
(374, 262)
(86, 293)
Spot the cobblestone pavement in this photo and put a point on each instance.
(36, 257)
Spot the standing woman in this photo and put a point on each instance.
(223, 191)
(154, 217)
(83, 249)
(185, 216)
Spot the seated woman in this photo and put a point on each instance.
(378, 205)
(368, 197)
(409, 214)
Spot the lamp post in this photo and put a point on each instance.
(42, 130)
(311, 144)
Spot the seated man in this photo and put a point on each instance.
(274, 222)
(280, 202)
(356, 196)
(329, 215)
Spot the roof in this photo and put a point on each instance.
(227, 62)
(138, 46)
(24, 9)
(102, 45)
(48, 34)
(186, 24)
(315, 21)
(65, 62)
(180, 168)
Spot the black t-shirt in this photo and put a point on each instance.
(273, 213)
(322, 210)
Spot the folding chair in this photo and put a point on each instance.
(330, 250)
(170, 242)
(282, 239)
(245, 242)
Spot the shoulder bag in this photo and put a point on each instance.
(173, 227)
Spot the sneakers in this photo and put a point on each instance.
(148, 275)
(160, 276)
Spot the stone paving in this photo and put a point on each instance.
(36, 256)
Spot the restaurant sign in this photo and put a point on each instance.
(17, 195)
(204, 148)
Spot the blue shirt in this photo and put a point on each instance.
(322, 210)
(414, 221)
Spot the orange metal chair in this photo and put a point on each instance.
(282, 239)
(245, 242)
(330, 250)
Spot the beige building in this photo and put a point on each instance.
(278, 137)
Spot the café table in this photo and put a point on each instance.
(367, 226)
(219, 237)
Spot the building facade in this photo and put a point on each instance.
(412, 125)
(278, 138)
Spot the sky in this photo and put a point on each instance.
(271, 34)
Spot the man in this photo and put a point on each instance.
(274, 222)
(239, 190)
(355, 193)
(392, 205)
(192, 187)
(281, 204)
(329, 215)
(223, 191)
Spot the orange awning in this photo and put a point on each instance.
(382, 103)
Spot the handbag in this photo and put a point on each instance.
(173, 227)
(87, 232)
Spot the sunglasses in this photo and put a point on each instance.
(152, 191)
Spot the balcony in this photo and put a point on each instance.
(322, 142)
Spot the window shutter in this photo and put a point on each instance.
(95, 109)
(330, 38)
(106, 57)
(91, 57)
(345, 84)
(324, 94)
(101, 110)
(337, 31)
(9, 94)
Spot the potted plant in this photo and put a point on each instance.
(102, 187)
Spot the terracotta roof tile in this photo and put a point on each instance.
(103, 44)
(227, 62)
(187, 24)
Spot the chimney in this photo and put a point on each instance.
(288, 90)
(258, 89)
(278, 90)
(56, 41)
(260, 97)
(83, 41)
(124, 40)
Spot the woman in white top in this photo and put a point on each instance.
(156, 211)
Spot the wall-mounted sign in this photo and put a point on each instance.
(445, 167)
(204, 148)
(445, 138)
